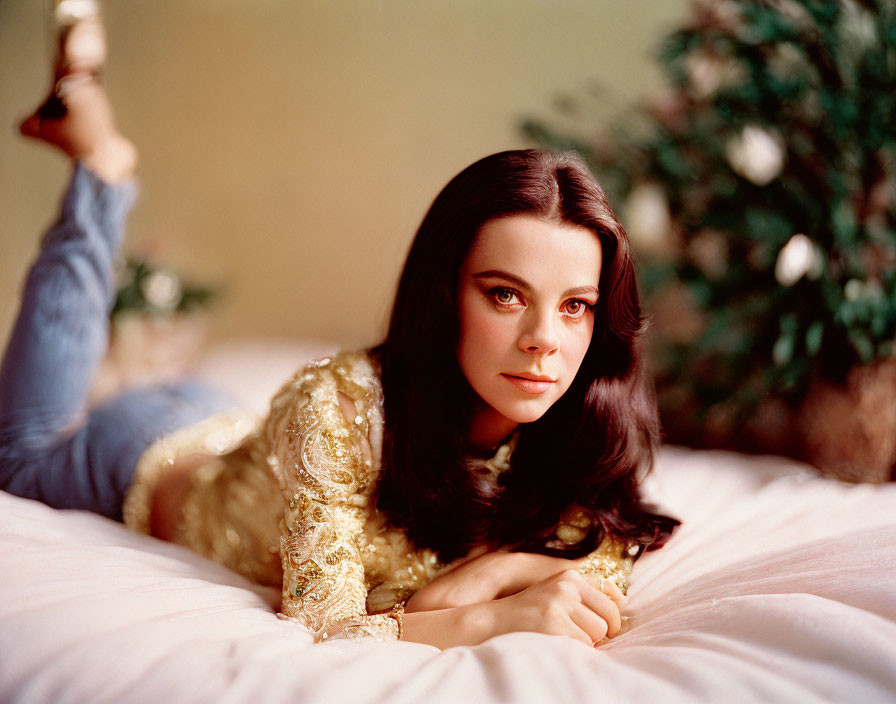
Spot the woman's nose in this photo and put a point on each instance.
(539, 334)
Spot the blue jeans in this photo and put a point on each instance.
(57, 343)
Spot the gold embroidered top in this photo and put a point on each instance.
(291, 501)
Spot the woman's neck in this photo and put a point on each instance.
(488, 429)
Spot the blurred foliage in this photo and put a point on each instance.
(778, 119)
(145, 287)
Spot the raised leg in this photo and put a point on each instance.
(50, 448)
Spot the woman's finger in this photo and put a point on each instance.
(608, 587)
(602, 605)
(592, 625)
(612, 590)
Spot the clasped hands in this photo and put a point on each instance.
(528, 592)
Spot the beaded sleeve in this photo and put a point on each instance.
(326, 469)
(613, 558)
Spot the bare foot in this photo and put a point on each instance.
(77, 119)
(76, 116)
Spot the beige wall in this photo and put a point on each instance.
(290, 147)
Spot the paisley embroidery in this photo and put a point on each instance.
(343, 568)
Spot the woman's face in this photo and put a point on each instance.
(526, 298)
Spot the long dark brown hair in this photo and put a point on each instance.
(588, 449)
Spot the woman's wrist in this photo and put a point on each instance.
(447, 628)
(478, 621)
(520, 570)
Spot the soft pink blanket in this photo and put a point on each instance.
(779, 587)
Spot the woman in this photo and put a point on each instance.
(475, 474)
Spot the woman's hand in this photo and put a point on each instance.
(493, 575)
(485, 577)
(566, 603)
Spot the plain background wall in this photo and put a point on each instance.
(290, 147)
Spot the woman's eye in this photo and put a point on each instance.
(577, 308)
(504, 296)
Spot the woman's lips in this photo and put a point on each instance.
(530, 386)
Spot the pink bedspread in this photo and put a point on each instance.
(779, 587)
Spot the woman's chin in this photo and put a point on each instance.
(527, 413)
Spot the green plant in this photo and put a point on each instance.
(144, 287)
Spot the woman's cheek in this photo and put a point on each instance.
(482, 322)
(485, 326)
(578, 342)
(479, 328)
(585, 337)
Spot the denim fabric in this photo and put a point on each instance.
(57, 342)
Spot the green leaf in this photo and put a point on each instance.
(844, 224)
(863, 345)
(814, 336)
(782, 352)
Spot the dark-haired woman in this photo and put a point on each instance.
(474, 474)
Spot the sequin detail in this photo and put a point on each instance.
(611, 561)
(295, 504)
(342, 565)
(215, 435)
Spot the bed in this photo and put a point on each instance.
(780, 586)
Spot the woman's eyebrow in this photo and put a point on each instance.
(523, 284)
(497, 274)
(581, 290)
